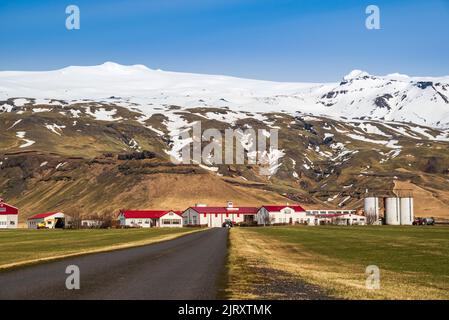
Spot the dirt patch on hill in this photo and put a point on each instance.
(427, 202)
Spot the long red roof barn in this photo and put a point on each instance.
(276, 208)
(146, 214)
(225, 210)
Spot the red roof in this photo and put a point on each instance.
(7, 209)
(146, 214)
(43, 215)
(275, 208)
(225, 210)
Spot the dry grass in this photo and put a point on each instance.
(427, 202)
(340, 279)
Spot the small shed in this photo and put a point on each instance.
(49, 220)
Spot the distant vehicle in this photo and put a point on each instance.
(227, 224)
(424, 221)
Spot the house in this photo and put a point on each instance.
(91, 223)
(326, 211)
(9, 216)
(337, 217)
(150, 218)
(49, 220)
(214, 217)
(350, 219)
(279, 214)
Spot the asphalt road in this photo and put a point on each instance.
(188, 267)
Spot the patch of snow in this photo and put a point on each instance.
(21, 135)
(55, 128)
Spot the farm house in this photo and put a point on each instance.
(150, 218)
(280, 214)
(202, 215)
(9, 216)
(50, 220)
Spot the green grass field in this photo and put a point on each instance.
(22, 245)
(413, 261)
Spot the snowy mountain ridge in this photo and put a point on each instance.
(394, 97)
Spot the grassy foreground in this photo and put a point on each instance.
(19, 247)
(413, 261)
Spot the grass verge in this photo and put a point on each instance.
(412, 262)
(21, 247)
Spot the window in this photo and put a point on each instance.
(147, 221)
(12, 223)
(176, 221)
(2, 209)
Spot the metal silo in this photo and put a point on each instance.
(406, 211)
(393, 211)
(371, 207)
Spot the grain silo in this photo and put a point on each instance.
(406, 210)
(371, 207)
(393, 211)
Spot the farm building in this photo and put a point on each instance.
(275, 214)
(50, 220)
(349, 219)
(337, 217)
(150, 218)
(212, 217)
(91, 223)
(9, 216)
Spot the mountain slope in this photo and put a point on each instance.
(97, 139)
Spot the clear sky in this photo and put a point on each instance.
(286, 40)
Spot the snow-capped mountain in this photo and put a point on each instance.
(74, 133)
(395, 97)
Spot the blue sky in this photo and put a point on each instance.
(286, 40)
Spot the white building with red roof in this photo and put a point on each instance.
(215, 217)
(150, 218)
(9, 216)
(49, 220)
(279, 214)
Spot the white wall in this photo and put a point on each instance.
(212, 220)
(9, 221)
(190, 217)
(285, 215)
(166, 221)
(170, 220)
(138, 222)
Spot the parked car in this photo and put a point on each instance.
(424, 221)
